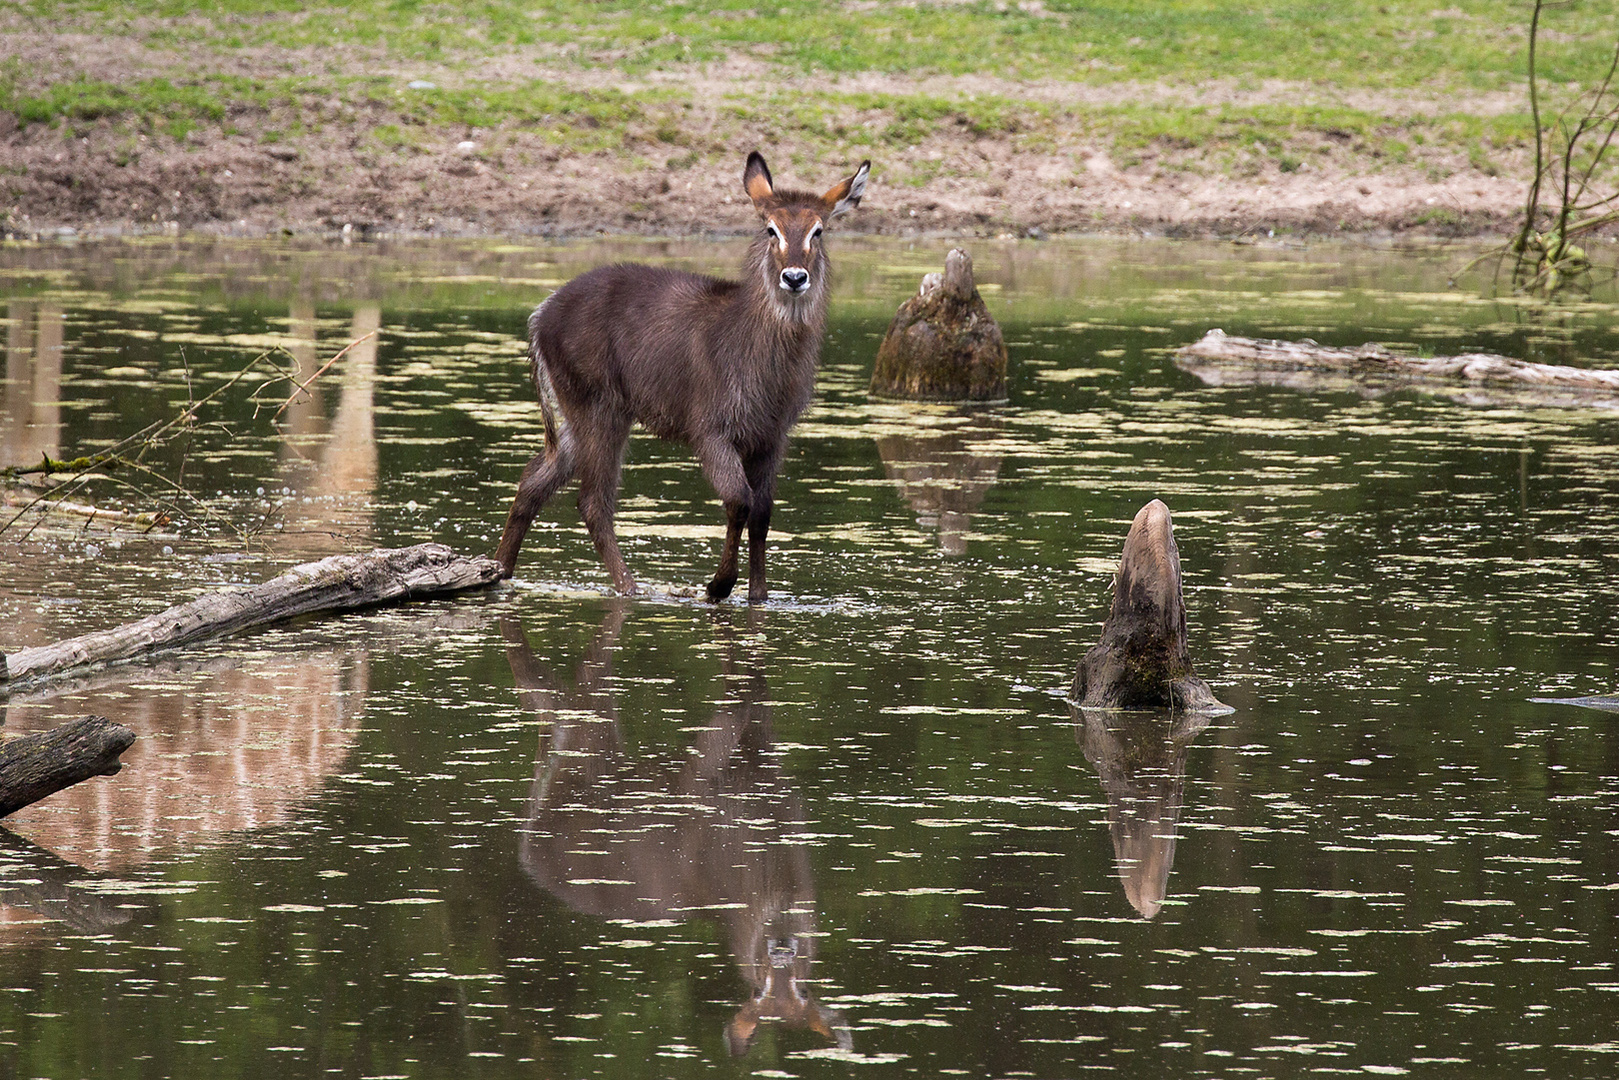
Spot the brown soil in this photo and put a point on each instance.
(105, 178)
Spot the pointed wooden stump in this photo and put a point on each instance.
(1142, 660)
(943, 344)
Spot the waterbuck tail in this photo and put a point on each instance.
(542, 379)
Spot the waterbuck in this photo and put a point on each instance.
(725, 367)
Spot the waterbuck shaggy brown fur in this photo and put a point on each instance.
(725, 367)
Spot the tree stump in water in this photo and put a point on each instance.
(1142, 660)
(943, 344)
(34, 766)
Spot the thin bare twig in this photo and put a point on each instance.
(304, 387)
(152, 435)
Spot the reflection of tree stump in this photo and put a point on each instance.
(1140, 758)
(941, 479)
(943, 344)
(1142, 660)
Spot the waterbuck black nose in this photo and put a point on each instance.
(794, 280)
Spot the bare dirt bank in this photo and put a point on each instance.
(368, 164)
(106, 181)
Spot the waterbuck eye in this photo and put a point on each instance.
(815, 233)
(770, 227)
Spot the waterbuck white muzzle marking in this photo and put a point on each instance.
(794, 280)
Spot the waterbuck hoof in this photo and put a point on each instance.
(720, 588)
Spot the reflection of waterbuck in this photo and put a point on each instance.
(725, 367)
(711, 835)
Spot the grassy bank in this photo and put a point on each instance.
(1466, 45)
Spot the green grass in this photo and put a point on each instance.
(366, 51)
(1477, 44)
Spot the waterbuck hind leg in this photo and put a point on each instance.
(600, 463)
(546, 473)
(725, 577)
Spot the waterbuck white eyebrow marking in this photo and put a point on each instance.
(809, 237)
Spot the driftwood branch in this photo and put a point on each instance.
(339, 583)
(1220, 359)
(34, 766)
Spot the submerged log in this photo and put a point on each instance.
(338, 583)
(34, 766)
(1219, 359)
(943, 344)
(1142, 660)
(44, 882)
(1606, 703)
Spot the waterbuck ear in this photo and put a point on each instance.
(845, 196)
(756, 179)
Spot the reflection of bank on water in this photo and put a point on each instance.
(227, 745)
(30, 397)
(329, 456)
(717, 835)
(222, 748)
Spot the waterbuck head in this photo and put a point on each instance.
(789, 254)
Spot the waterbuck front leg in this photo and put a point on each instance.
(725, 576)
(762, 479)
(723, 467)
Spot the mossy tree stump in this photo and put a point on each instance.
(1142, 660)
(943, 344)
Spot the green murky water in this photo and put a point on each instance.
(858, 831)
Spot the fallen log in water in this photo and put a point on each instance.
(1606, 703)
(339, 583)
(1219, 359)
(34, 766)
